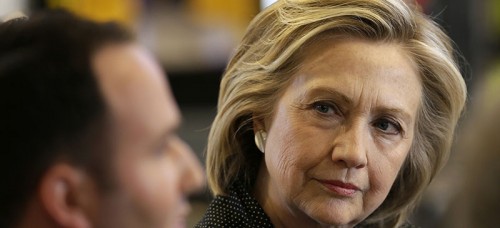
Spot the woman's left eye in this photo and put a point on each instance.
(323, 108)
(388, 126)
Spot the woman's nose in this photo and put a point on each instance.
(350, 146)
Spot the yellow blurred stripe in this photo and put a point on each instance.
(123, 11)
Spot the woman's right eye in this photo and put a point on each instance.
(325, 108)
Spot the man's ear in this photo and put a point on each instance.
(68, 195)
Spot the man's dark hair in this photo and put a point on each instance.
(50, 101)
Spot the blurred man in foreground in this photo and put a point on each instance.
(88, 129)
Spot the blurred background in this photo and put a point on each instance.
(193, 39)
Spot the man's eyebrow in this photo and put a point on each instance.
(169, 130)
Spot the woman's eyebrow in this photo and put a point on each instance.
(398, 112)
(322, 90)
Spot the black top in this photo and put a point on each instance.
(238, 209)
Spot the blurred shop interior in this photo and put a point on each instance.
(193, 39)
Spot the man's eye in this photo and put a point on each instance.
(163, 147)
(388, 126)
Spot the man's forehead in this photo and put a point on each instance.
(123, 64)
(135, 89)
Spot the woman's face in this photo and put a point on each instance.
(340, 133)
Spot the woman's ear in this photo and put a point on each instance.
(258, 123)
(68, 196)
(260, 134)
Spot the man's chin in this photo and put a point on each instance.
(179, 223)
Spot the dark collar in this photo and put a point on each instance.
(238, 209)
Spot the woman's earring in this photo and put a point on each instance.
(260, 140)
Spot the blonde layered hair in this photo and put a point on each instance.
(270, 54)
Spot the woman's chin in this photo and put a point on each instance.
(336, 218)
(335, 222)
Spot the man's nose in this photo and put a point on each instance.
(193, 177)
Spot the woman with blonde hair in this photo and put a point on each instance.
(332, 113)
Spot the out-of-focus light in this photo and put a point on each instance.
(8, 7)
(123, 11)
(266, 3)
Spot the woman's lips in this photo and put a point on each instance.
(340, 188)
